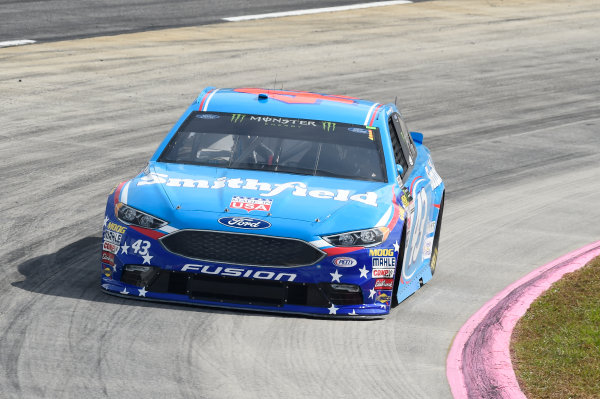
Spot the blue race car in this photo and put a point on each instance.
(277, 200)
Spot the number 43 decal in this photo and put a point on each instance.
(141, 247)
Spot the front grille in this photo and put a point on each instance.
(242, 249)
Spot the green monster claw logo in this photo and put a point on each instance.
(328, 126)
(237, 118)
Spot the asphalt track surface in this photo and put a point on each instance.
(51, 20)
(506, 93)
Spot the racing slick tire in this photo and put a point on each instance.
(399, 261)
(436, 238)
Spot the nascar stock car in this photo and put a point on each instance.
(278, 200)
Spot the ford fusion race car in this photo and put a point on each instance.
(278, 200)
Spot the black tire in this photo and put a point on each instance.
(399, 261)
(436, 238)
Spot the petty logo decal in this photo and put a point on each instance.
(344, 261)
(244, 223)
(251, 204)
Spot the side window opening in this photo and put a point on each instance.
(398, 154)
(411, 145)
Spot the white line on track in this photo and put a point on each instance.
(16, 43)
(316, 10)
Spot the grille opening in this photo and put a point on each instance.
(342, 297)
(139, 275)
(242, 249)
(226, 289)
(238, 291)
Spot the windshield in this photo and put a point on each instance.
(307, 147)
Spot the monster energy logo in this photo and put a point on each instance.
(328, 126)
(237, 118)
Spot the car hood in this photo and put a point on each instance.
(259, 194)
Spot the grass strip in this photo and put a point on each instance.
(555, 347)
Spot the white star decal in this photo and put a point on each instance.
(105, 220)
(124, 249)
(105, 286)
(124, 292)
(335, 276)
(364, 272)
(353, 313)
(372, 293)
(396, 246)
(333, 309)
(114, 268)
(142, 291)
(147, 258)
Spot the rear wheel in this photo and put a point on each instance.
(436, 238)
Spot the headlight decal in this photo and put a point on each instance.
(135, 217)
(360, 238)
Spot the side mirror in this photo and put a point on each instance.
(400, 169)
(417, 137)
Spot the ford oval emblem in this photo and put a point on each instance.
(244, 223)
(344, 261)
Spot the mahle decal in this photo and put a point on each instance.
(383, 262)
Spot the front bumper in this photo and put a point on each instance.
(342, 284)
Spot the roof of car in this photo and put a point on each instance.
(290, 104)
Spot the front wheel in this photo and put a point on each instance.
(399, 261)
(436, 238)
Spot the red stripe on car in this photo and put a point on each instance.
(204, 99)
(374, 115)
(396, 215)
(413, 183)
(148, 232)
(118, 192)
(340, 250)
